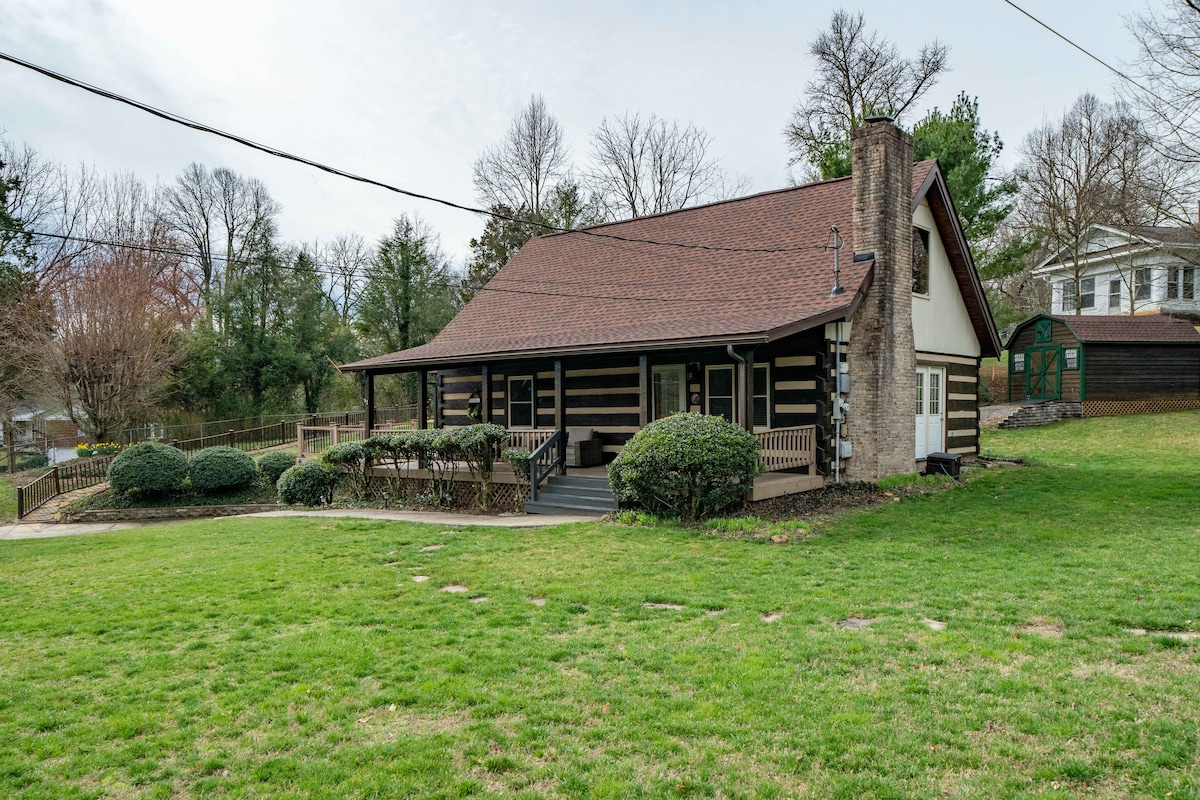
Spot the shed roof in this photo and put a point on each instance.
(768, 275)
(1145, 329)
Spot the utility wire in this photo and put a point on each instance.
(333, 271)
(1099, 60)
(273, 151)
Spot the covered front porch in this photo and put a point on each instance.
(788, 456)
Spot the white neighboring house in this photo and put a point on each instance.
(1147, 270)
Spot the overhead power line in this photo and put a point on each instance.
(334, 271)
(274, 151)
(1096, 58)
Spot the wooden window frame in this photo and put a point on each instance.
(1070, 358)
(753, 397)
(920, 280)
(532, 402)
(1018, 362)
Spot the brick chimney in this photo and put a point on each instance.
(881, 360)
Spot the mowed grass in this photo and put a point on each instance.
(298, 657)
(8, 500)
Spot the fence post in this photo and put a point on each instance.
(231, 437)
(299, 441)
(20, 502)
(57, 485)
(334, 435)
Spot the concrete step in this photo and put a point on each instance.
(566, 494)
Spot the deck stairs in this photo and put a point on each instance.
(575, 495)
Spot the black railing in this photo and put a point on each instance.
(550, 454)
(78, 474)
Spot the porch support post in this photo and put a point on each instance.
(437, 400)
(560, 413)
(370, 403)
(485, 394)
(643, 391)
(422, 397)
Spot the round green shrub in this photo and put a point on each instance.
(686, 465)
(309, 483)
(148, 467)
(215, 469)
(273, 464)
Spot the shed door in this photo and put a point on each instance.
(931, 413)
(1043, 372)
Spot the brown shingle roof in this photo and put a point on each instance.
(1148, 328)
(574, 292)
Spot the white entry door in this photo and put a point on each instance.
(931, 412)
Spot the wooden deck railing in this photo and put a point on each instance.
(312, 439)
(788, 448)
(78, 474)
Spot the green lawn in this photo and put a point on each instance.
(298, 658)
(8, 500)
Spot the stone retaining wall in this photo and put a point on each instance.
(176, 512)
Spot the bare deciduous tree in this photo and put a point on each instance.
(648, 166)
(221, 216)
(348, 260)
(522, 170)
(1072, 172)
(859, 73)
(110, 353)
(1168, 66)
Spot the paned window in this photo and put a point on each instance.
(762, 399)
(935, 393)
(1181, 284)
(720, 392)
(920, 393)
(1141, 284)
(1087, 293)
(520, 402)
(1071, 358)
(668, 387)
(1114, 294)
(920, 261)
(1067, 289)
(1018, 362)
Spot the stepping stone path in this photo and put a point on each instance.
(774, 616)
(1042, 629)
(455, 588)
(420, 578)
(538, 601)
(431, 547)
(671, 606)
(478, 599)
(714, 612)
(854, 623)
(934, 624)
(1183, 636)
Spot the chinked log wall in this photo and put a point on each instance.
(604, 393)
(961, 394)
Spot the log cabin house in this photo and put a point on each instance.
(1106, 365)
(841, 321)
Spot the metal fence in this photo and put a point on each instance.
(78, 474)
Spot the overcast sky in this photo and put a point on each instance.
(410, 93)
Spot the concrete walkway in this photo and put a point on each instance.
(45, 530)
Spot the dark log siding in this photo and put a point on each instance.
(1071, 386)
(1142, 371)
(961, 398)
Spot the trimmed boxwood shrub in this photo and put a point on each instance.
(309, 483)
(216, 469)
(686, 465)
(272, 465)
(148, 467)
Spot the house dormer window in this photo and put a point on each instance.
(920, 258)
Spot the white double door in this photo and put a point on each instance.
(931, 410)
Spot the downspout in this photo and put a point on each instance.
(741, 385)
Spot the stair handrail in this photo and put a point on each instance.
(535, 475)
